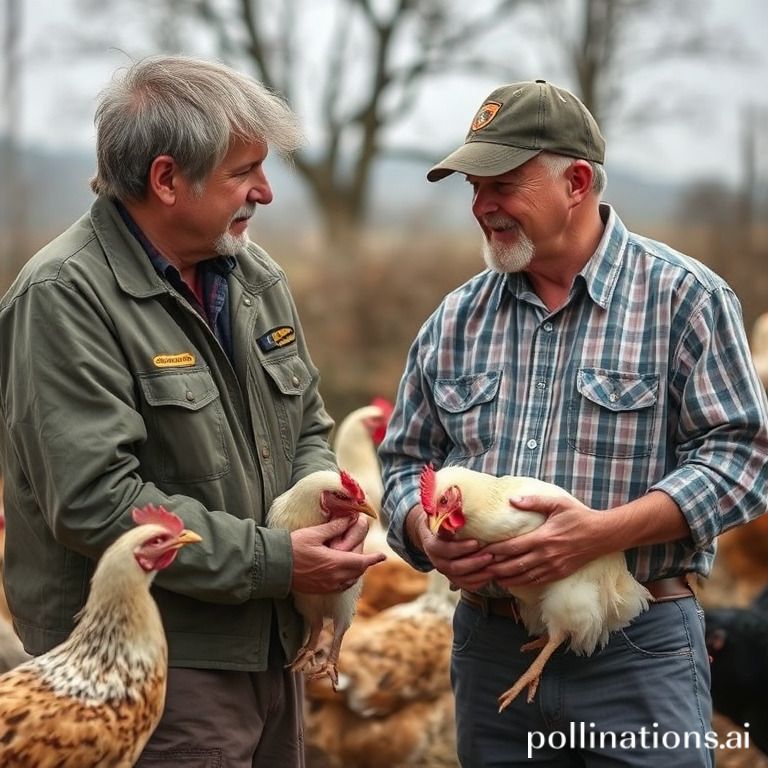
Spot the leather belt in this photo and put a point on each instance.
(662, 590)
(671, 588)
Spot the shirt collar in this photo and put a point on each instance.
(602, 270)
(598, 275)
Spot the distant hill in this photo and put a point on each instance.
(57, 192)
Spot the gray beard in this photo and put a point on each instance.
(228, 244)
(509, 258)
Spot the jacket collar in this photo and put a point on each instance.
(130, 264)
(134, 271)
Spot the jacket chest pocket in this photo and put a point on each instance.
(290, 379)
(613, 414)
(467, 410)
(185, 424)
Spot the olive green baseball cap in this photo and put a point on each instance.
(517, 122)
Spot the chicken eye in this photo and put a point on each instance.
(443, 500)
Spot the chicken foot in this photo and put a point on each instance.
(531, 677)
(328, 667)
(305, 657)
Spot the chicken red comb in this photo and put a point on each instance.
(386, 409)
(158, 516)
(427, 483)
(352, 486)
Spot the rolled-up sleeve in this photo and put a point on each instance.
(721, 475)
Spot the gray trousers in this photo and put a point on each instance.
(642, 701)
(221, 719)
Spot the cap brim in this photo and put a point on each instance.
(481, 158)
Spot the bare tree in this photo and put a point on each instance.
(357, 69)
(602, 45)
(353, 68)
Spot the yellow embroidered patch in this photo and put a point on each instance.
(485, 114)
(183, 360)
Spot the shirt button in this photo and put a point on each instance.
(541, 385)
(548, 327)
(295, 381)
(265, 452)
(532, 443)
(613, 397)
(190, 396)
(247, 302)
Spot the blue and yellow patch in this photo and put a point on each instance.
(277, 337)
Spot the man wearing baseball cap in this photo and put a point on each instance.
(616, 368)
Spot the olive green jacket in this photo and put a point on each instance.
(115, 393)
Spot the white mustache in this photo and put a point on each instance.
(244, 212)
(499, 221)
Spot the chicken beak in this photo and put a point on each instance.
(367, 509)
(436, 522)
(186, 537)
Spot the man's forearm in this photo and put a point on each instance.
(651, 519)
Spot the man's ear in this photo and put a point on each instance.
(164, 179)
(580, 177)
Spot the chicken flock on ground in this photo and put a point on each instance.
(394, 669)
(394, 705)
(582, 608)
(95, 699)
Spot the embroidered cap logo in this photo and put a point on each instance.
(485, 114)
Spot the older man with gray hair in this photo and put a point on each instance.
(152, 354)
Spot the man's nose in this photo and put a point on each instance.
(483, 203)
(260, 192)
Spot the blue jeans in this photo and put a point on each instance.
(641, 701)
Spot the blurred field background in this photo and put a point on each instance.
(385, 88)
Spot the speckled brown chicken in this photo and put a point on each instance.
(95, 699)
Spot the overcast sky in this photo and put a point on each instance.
(60, 97)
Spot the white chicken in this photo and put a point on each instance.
(394, 581)
(315, 499)
(355, 444)
(583, 608)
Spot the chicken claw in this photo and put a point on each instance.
(325, 668)
(532, 675)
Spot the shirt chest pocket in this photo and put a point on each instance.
(613, 414)
(185, 426)
(467, 411)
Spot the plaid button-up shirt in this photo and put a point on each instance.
(642, 380)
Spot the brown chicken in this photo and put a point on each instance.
(95, 699)
(315, 499)
(395, 706)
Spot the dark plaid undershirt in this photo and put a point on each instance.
(211, 282)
